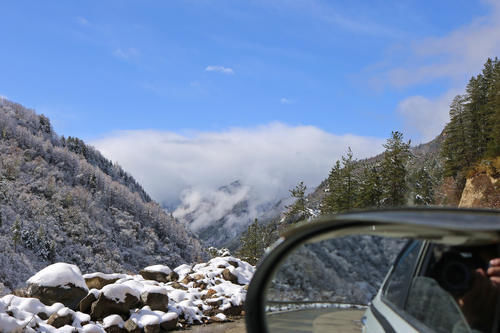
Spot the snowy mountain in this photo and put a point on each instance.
(61, 200)
(221, 217)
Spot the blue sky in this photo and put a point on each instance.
(198, 69)
(95, 67)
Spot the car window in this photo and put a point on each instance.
(396, 287)
(434, 307)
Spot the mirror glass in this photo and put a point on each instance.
(347, 284)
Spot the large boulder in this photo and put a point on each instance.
(228, 276)
(131, 327)
(169, 321)
(160, 273)
(59, 282)
(114, 299)
(233, 310)
(155, 298)
(113, 324)
(99, 280)
(154, 321)
(60, 319)
(86, 303)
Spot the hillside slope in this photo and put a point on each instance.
(61, 200)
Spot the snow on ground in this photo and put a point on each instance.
(203, 293)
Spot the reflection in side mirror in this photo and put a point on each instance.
(326, 286)
(408, 270)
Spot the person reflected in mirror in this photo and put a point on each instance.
(480, 303)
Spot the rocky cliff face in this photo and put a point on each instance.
(482, 189)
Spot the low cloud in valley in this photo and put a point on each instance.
(187, 170)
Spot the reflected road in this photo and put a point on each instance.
(316, 320)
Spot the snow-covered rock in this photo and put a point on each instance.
(59, 282)
(99, 280)
(115, 299)
(59, 275)
(132, 302)
(160, 273)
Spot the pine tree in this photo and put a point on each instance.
(252, 243)
(393, 171)
(330, 203)
(370, 188)
(342, 186)
(298, 208)
(350, 181)
(494, 106)
(16, 232)
(455, 148)
(423, 187)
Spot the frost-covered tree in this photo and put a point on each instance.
(394, 172)
(423, 187)
(16, 232)
(99, 217)
(253, 243)
(342, 187)
(298, 210)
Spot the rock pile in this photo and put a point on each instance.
(156, 300)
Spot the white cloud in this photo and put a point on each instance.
(267, 160)
(126, 53)
(82, 20)
(462, 51)
(425, 118)
(284, 100)
(219, 69)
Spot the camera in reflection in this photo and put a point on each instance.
(455, 271)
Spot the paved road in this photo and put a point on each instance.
(315, 320)
(237, 326)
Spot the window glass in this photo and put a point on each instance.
(400, 278)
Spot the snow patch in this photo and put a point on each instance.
(112, 320)
(158, 268)
(59, 275)
(118, 292)
(104, 276)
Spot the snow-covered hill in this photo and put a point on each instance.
(61, 200)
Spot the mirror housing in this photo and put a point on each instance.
(446, 226)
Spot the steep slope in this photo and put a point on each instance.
(61, 200)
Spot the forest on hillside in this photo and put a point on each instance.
(473, 134)
(61, 200)
(403, 175)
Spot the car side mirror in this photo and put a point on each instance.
(324, 275)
